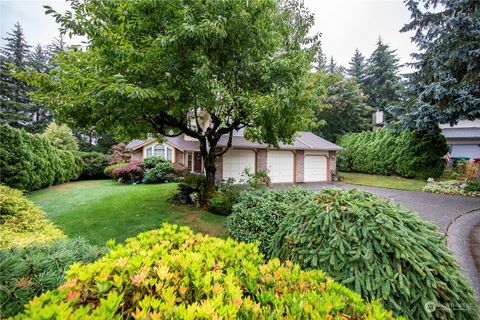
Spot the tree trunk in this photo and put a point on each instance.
(208, 156)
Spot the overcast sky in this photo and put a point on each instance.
(344, 24)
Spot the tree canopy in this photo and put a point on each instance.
(61, 137)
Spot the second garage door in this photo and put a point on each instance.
(315, 168)
(280, 166)
(236, 161)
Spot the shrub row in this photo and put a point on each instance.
(172, 273)
(21, 222)
(30, 162)
(377, 248)
(408, 154)
(29, 271)
(94, 164)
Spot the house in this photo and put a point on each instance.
(308, 159)
(463, 138)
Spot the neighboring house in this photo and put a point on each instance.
(309, 159)
(463, 138)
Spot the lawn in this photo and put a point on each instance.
(391, 182)
(99, 210)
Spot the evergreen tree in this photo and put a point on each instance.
(58, 45)
(333, 67)
(61, 137)
(14, 103)
(320, 60)
(446, 85)
(358, 67)
(382, 84)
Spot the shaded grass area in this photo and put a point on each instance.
(391, 182)
(99, 210)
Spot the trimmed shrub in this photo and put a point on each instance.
(172, 273)
(30, 271)
(30, 162)
(152, 162)
(224, 199)
(21, 222)
(130, 173)
(108, 171)
(94, 164)
(258, 214)
(379, 249)
(162, 172)
(408, 154)
(120, 154)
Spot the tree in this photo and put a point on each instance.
(382, 84)
(445, 87)
(358, 67)
(196, 68)
(320, 61)
(333, 67)
(345, 111)
(61, 137)
(14, 103)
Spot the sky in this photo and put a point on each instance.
(344, 24)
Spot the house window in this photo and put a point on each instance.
(159, 151)
(190, 160)
(149, 152)
(170, 154)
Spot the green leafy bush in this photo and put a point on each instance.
(189, 189)
(408, 154)
(172, 273)
(108, 171)
(30, 271)
(224, 199)
(162, 172)
(458, 188)
(21, 222)
(152, 162)
(94, 164)
(379, 249)
(30, 162)
(258, 214)
(472, 186)
(258, 179)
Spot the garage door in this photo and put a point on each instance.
(280, 166)
(235, 162)
(471, 151)
(315, 168)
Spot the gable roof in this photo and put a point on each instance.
(303, 141)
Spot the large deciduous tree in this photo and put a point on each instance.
(169, 67)
(446, 84)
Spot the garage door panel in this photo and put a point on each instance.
(236, 161)
(280, 166)
(315, 168)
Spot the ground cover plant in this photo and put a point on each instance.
(379, 249)
(21, 222)
(224, 198)
(99, 210)
(458, 188)
(172, 273)
(259, 212)
(29, 271)
(30, 162)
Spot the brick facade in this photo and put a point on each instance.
(332, 164)
(137, 155)
(261, 160)
(179, 157)
(299, 165)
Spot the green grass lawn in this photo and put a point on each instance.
(392, 182)
(99, 210)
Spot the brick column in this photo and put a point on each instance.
(261, 160)
(299, 166)
(332, 157)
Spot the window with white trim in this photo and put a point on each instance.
(170, 154)
(149, 152)
(159, 151)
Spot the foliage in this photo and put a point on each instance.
(258, 214)
(223, 200)
(358, 67)
(255, 55)
(190, 189)
(30, 271)
(466, 169)
(408, 154)
(30, 162)
(343, 106)
(108, 171)
(130, 173)
(180, 169)
(162, 172)
(379, 249)
(94, 165)
(152, 162)
(459, 188)
(446, 84)
(119, 154)
(21, 222)
(375, 180)
(172, 273)
(256, 180)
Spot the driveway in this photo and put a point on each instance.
(457, 217)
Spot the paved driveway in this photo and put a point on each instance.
(455, 216)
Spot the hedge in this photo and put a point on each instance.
(409, 154)
(172, 273)
(26, 272)
(379, 249)
(94, 164)
(29, 162)
(21, 222)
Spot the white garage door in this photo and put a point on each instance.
(315, 168)
(471, 151)
(280, 166)
(235, 162)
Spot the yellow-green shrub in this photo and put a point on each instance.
(21, 222)
(172, 273)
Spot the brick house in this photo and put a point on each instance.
(308, 159)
